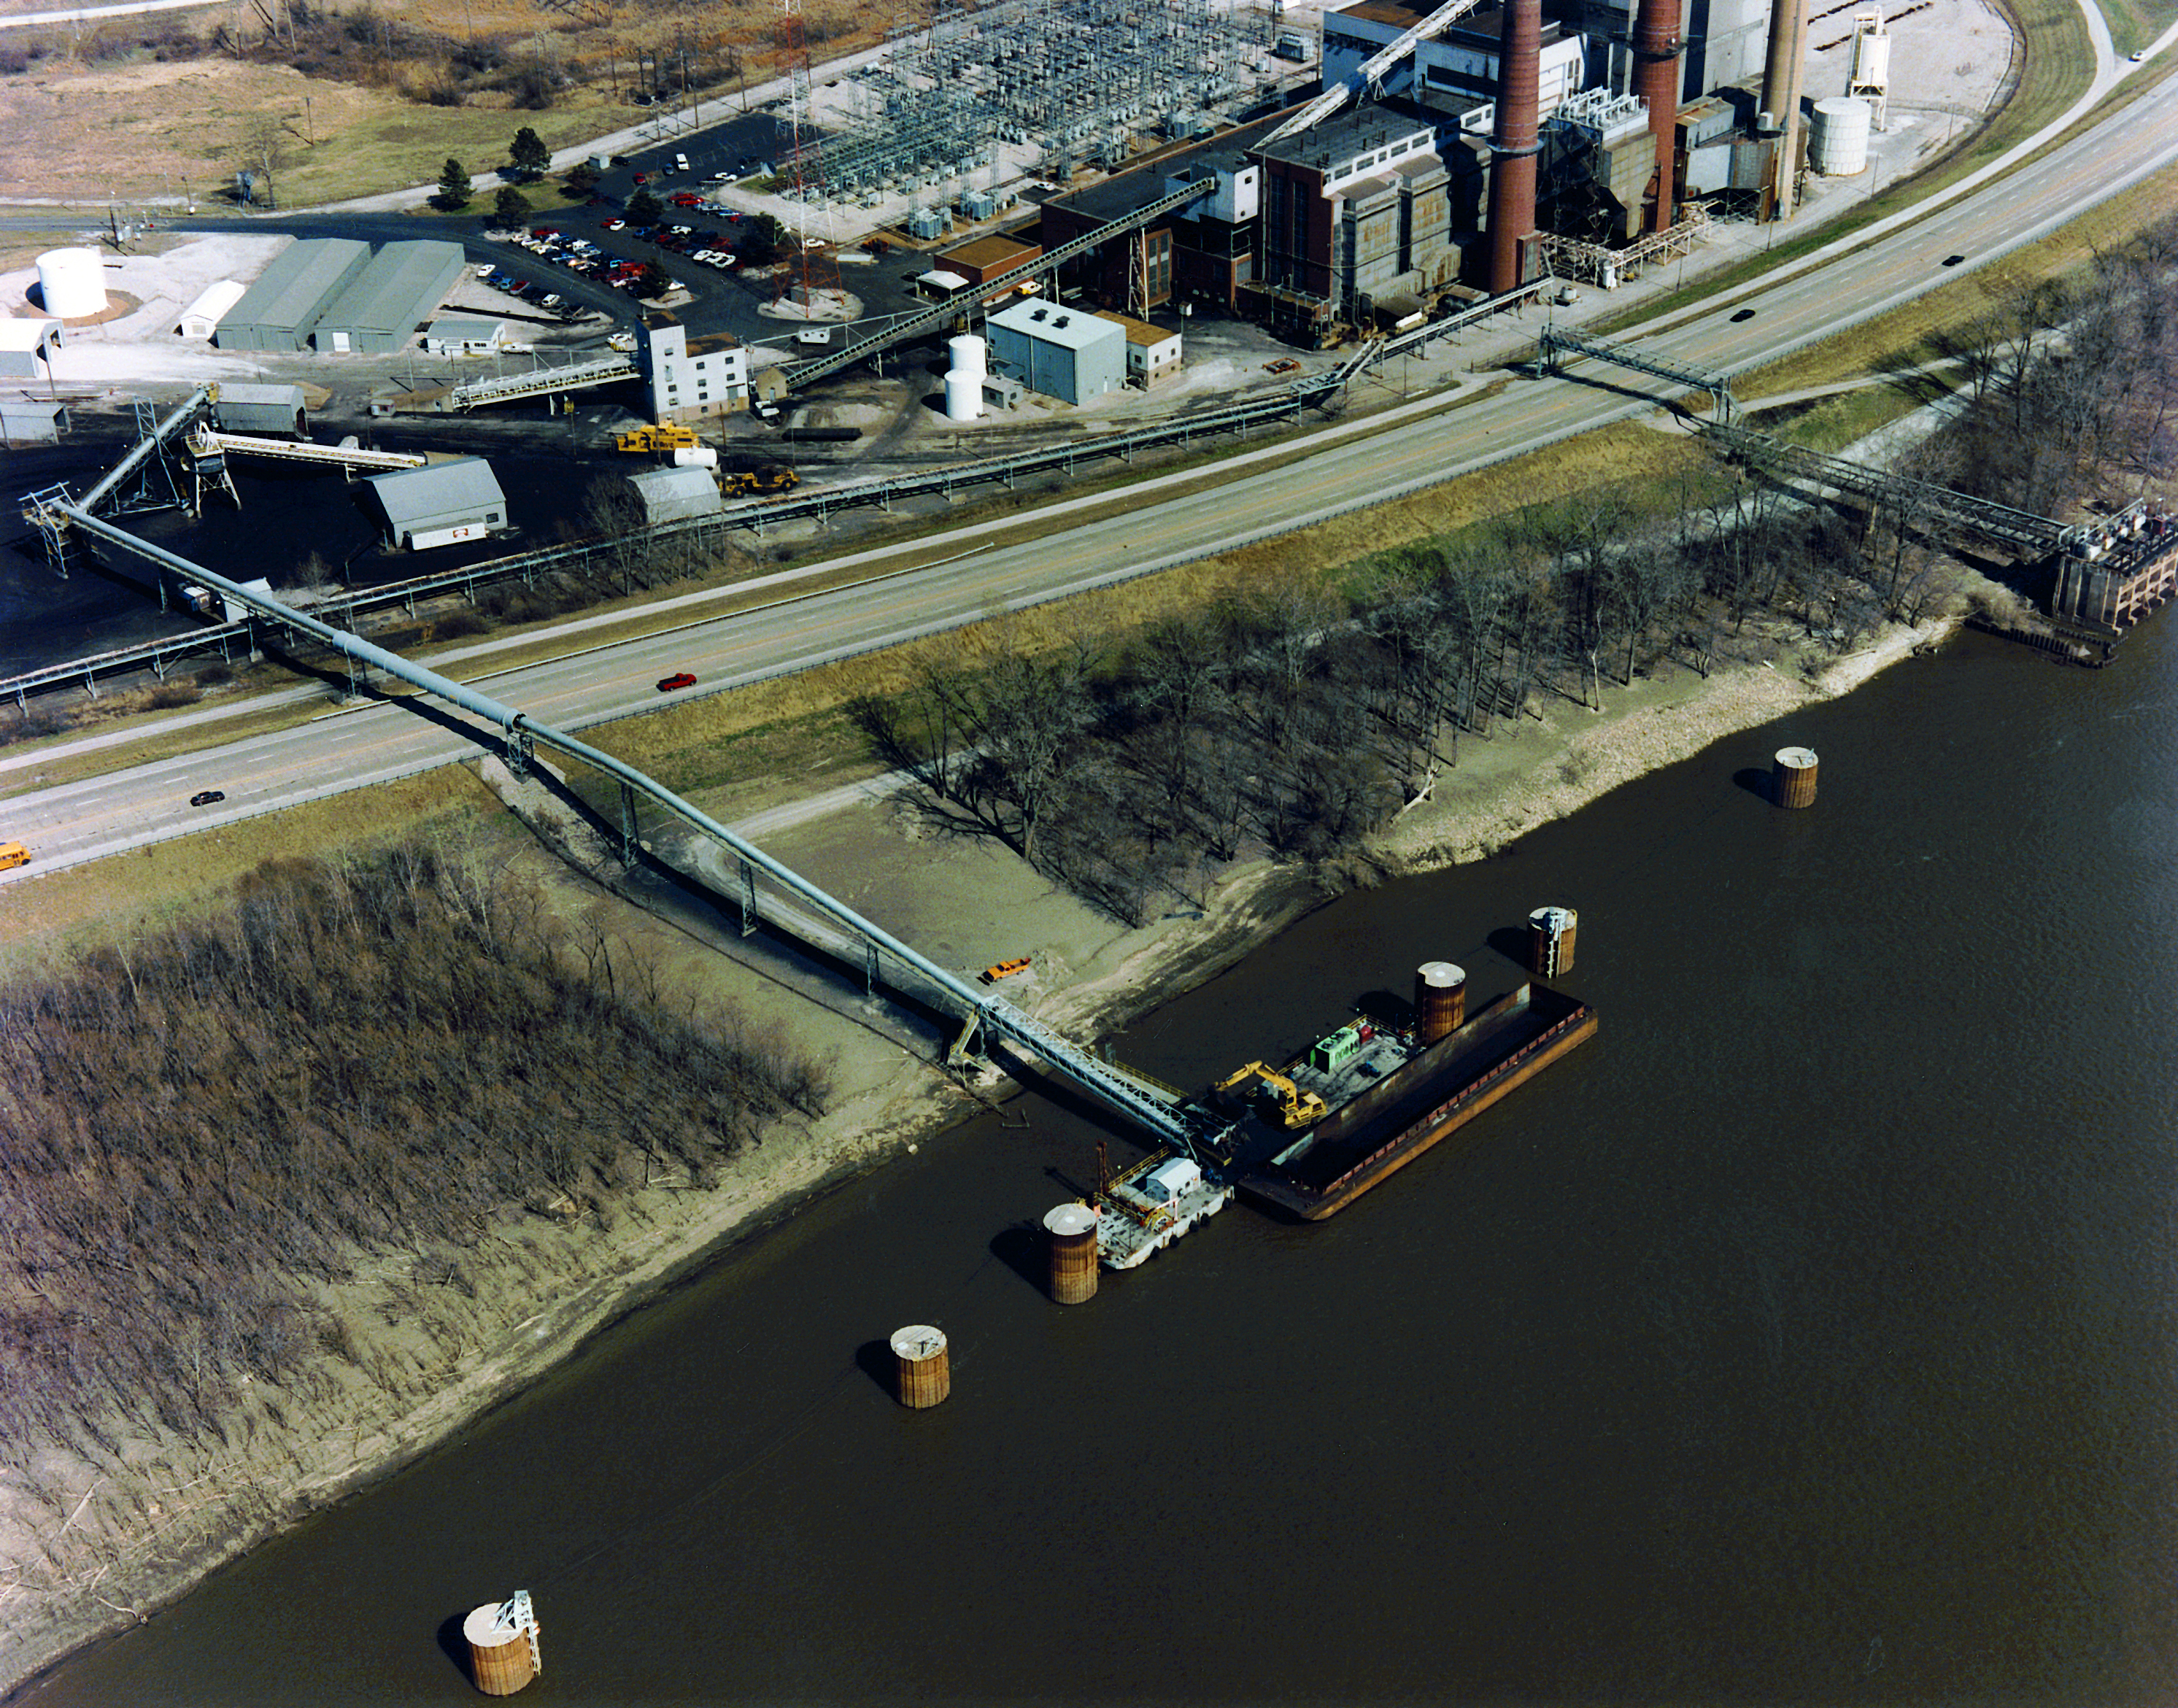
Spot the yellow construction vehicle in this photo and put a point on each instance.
(664, 435)
(1293, 1107)
(773, 477)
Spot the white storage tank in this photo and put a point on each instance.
(967, 354)
(1837, 140)
(964, 396)
(72, 283)
(695, 456)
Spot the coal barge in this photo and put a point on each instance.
(1388, 1096)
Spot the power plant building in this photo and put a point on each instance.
(380, 308)
(439, 504)
(1063, 353)
(1362, 208)
(283, 309)
(1455, 71)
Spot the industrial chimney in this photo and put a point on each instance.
(1513, 143)
(1780, 91)
(1656, 80)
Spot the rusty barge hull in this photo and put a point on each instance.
(1360, 1144)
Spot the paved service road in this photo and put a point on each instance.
(1347, 465)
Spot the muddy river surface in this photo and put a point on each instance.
(1805, 1337)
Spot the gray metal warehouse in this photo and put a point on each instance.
(440, 503)
(670, 494)
(281, 309)
(240, 408)
(384, 305)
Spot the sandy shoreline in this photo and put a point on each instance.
(99, 1574)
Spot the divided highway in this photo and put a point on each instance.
(1347, 465)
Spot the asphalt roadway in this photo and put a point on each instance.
(937, 583)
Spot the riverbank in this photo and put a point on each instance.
(91, 1547)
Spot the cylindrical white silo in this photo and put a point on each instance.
(1837, 140)
(72, 283)
(1871, 57)
(964, 396)
(967, 354)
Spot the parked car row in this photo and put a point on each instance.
(530, 291)
(581, 255)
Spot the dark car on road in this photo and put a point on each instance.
(207, 797)
(681, 679)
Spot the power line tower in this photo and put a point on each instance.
(810, 279)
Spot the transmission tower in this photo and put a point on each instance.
(812, 271)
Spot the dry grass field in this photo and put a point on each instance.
(168, 104)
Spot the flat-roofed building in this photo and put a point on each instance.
(380, 309)
(282, 307)
(1063, 353)
(985, 258)
(440, 503)
(1152, 352)
(691, 378)
(465, 335)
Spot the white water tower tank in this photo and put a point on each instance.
(72, 283)
(964, 396)
(967, 353)
(1837, 140)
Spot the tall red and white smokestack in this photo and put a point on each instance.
(1781, 90)
(1512, 143)
(1656, 80)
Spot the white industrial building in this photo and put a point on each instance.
(689, 380)
(465, 335)
(439, 504)
(201, 319)
(1063, 353)
(27, 347)
(675, 495)
(1152, 352)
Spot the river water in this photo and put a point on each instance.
(1806, 1337)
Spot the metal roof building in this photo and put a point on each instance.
(671, 494)
(440, 503)
(24, 421)
(1063, 353)
(201, 319)
(239, 408)
(382, 306)
(281, 310)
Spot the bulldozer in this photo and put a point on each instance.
(1291, 1106)
(662, 435)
